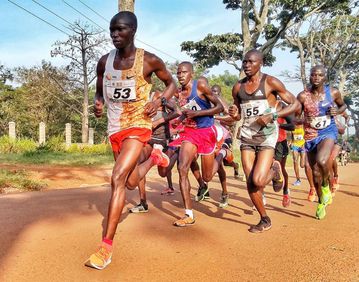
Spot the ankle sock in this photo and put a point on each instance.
(189, 213)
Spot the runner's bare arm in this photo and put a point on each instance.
(276, 86)
(154, 64)
(234, 110)
(99, 101)
(338, 100)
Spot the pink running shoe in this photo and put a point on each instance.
(286, 201)
(168, 192)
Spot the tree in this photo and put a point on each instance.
(126, 5)
(263, 25)
(44, 95)
(83, 48)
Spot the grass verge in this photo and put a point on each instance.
(13, 180)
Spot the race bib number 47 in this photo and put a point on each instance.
(122, 91)
(320, 122)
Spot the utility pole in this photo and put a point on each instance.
(126, 5)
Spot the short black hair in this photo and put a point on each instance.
(128, 16)
(256, 52)
(187, 63)
(319, 67)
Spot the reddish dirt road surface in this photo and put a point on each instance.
(46, 236)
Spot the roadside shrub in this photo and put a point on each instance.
(56, 144)
(101, 149)
(8, 145)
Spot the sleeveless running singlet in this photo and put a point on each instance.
(321, 124)
(298, 136)
(252, 106)
(126, 93)
(195, 103)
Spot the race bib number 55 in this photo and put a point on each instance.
(254, 108)
(122, 91)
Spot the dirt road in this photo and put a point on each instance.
(46, 236)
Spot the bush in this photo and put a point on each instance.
(8, 145)
(56, 144)
(100, 149)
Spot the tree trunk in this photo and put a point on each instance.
(126, 5)
(342, 80)
(302, 63)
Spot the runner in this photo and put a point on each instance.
(255, 96)
(228, 124)
(281, 152)
(333, 165)
(318, 104)
(198, 136)
(298, 149)
(124, 84)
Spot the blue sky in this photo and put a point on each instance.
(165, 24)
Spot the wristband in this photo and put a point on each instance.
(163, 101)
(275, 116)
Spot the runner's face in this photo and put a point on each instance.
(317, 77)
(251, 64)
(184, 74)
(215, 91)
(121, 33)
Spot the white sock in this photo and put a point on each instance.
(189, 213)
(158, 146)
(223, 152)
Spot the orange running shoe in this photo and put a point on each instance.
(184, 221)
(159, 158)
(229, 156)
(100, 259)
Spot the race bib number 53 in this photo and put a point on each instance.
(320, 122)
(122, 91)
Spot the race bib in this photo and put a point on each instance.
(192, 105)
(298, 137)
(320, 122)
(121, 91)
(254, 108)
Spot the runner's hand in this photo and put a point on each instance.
(265, 119)
(98, 109)
(150, 109)
(333, 111)
(233, 111)
(189, 113)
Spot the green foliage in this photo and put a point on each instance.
(18, 179)
(100, 149)
(8, 145)
(213, 49)
(226, 81)
(265, 24)
(57, 158)
(55, 144)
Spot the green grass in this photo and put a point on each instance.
(18, 179)
(57, 158)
